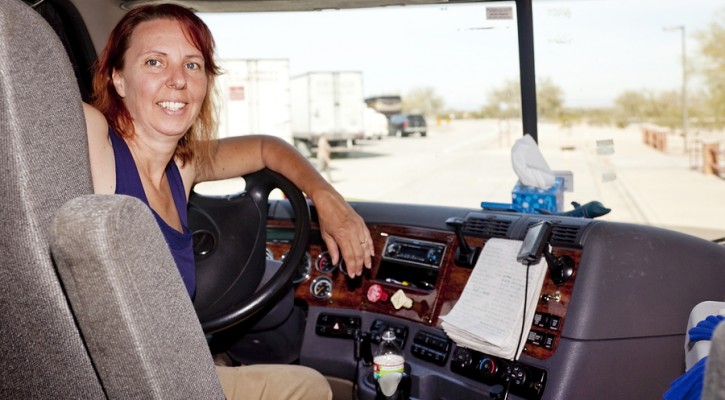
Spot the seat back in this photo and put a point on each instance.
(127, 296)
(44, 163)
(714, 384)
(50, 346)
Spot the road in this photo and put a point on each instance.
(465, 162)
(450, 166)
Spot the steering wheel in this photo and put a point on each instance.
(230, 250)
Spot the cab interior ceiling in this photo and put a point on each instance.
(210, 6)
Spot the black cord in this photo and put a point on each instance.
(523, 319)
(354, 381)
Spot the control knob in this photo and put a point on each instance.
(432, 256)
(462, 358)
(516, 374)
(393, 249)
(487, 366)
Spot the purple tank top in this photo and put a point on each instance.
(128, 182)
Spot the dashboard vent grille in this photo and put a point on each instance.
(565, 234)
(487, 227)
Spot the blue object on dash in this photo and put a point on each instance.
(688, 386)
(489, 206)
(533, 200)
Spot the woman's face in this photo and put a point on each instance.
(163, 82)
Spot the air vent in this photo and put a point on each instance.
(565, 234)
(487, 227)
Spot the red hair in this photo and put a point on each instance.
(196, 142)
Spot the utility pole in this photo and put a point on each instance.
(685, 128)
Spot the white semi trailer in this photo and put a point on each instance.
(254, 98)
(330, 103)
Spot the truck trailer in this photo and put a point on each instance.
(253, 97)
(330, 103)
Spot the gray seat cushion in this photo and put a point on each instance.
(714, 385)
(43, 164)
(126, 293)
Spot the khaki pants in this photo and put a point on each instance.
(273, 382)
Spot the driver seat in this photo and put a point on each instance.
(91, 305)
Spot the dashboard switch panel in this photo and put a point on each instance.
(431, 348)
(379, 327)
(337, 326)
(523, 380)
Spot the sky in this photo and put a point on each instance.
(592, 49)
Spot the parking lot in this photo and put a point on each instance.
(464, 162)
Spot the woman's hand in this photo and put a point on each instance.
(344, 232)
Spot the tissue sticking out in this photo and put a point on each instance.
(529, 164)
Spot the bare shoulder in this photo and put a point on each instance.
(100, 151)
(188, 175)
(96, 123)
(97, 128)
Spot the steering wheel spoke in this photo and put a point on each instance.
(230, 242)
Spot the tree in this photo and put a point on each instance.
(549, 99)
(712, 49)
(661, 108)
(505, 101)
(423, 100)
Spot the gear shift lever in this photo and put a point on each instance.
(362, 348)
(465, 254)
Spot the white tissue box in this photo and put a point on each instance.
(528, 199)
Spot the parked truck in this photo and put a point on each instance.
(254, 98)
(388, 105)
(376, 124)
(330, 103)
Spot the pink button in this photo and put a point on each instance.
(376, 293)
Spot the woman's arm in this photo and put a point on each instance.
(100, 152)
(343, 230)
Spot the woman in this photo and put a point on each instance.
(151, 135)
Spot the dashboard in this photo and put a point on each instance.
(421, 263)
(403, 262)
(608, 328)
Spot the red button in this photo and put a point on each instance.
(376, 293)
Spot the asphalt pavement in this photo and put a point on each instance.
(462, 163)
(639, 183)
(665, 187)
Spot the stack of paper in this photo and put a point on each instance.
(489, 314)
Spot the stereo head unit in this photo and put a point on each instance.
(419, 252)
(411, 263)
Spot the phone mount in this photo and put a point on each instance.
(536, 244)
(560, 268)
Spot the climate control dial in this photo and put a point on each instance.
(488, 366)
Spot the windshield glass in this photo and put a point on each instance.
(634, 122)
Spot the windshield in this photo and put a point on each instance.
(629, 119)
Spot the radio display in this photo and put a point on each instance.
(424, 253)
(416, 252)
(412, 263)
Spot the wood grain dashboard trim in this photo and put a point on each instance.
(428, 306)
